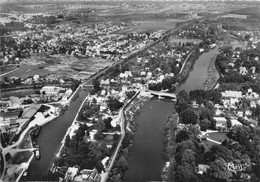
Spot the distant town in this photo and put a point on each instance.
(130, 91)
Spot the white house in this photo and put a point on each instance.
(15, 102)
(220, 121)
(234, 94)
(71, 173)
(50, 90)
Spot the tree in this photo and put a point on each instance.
(185, 173)
(181, 105)
(229, 123)
(247, 37)
(205, 124)
(206, 113)
(240, 134)
(73, 145)
(6, 79)
(96, 84)
(182, 135)
(107, 123)
(98, 136)
(213, 124)
(122, 163)
(67, 141)
(166, 83)
(130, 94)
(188, 156)
(114, 104)
(194, 130)
(188, 144)
(101, 126)
(116, 137)
(219, 151)
(75, 84)
(218, 170)
(188, 116)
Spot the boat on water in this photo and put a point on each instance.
(25, 173)
(37, 152)
(37, 130)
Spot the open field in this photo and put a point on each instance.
(219, 137)
(63, 66)
(6, 69)
(248, 11)
(141, 26)
(17, 93)
(177, 40)
(27, 70)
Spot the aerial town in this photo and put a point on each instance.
(96, 91)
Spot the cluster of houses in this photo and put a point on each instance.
(99, 40)
(44, 79)
(84, 175)
(234, 103)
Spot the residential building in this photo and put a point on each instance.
(71, 173)
(220, 121)
(15, 102)
(50, 90)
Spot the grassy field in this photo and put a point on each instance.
(219, 137)
(174, 40)
(27, 70)
(63, 67)
(140, 26)
(17, 93)
(5, 69)
(248, 11)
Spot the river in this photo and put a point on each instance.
(145, 160)
(198, 75)
(51, 136)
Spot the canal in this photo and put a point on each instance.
(145, 160)
(51, 136)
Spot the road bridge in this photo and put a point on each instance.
(163, 94)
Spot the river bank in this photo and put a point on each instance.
(169, 147)
(213, 75)
(130, 113)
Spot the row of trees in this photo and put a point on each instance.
(121, 164)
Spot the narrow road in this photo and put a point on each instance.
(214, 141)
(185, 61)
(122, 126)
(9, 72)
